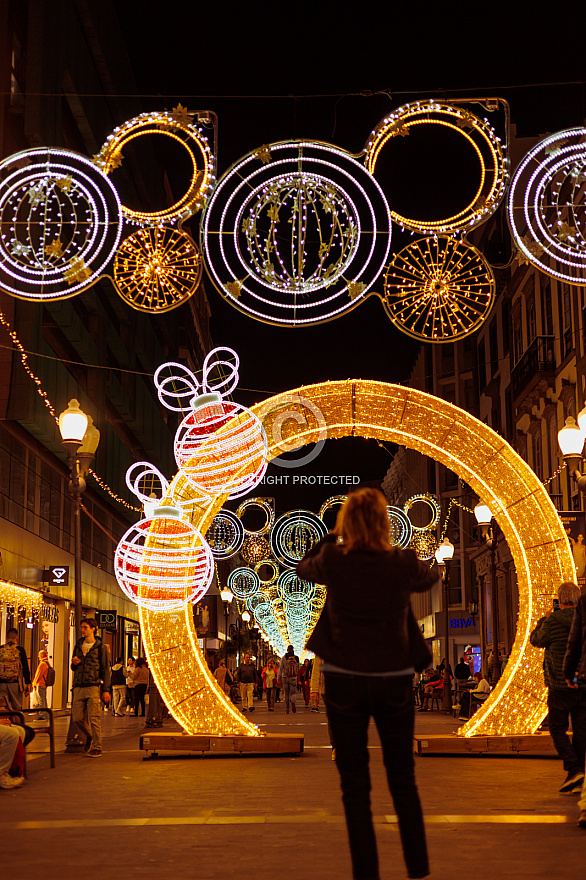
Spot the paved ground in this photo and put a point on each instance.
(278, 818)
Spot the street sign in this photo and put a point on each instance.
(57, 576)
(106, 619)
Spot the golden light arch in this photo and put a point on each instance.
(451, 436)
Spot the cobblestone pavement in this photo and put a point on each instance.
(278, 818)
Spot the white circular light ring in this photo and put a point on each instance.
(241, 237)
(434, 506)
(331, 502)
(265, 506)
(274, 575)
(225, 534)
(258, 603)
(294, 534)
(60, 220)
(293, 590)
(243, 582)
(483, 140)
(546, 208)
(401, 527)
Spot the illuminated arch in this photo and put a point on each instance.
(454, 438)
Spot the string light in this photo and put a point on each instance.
(296, 233)
(24, 360)
(61, 222)
(20, 597)
(267, 505)
(546, 206)
(438, 289)
(479, 135)
(225, 534)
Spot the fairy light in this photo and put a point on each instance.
(294, 534)
(481, 138)
(178, 126)
(401, 527)
(438, 289)
(433, 505)
(329, 503)
(274, 571)
(20, 597)
(296, 234)
(225, 534)
(24, 360)
(546, 206)
(61, 222)
(267, 505)
(157, 270)
(112, 494)
(244, 582)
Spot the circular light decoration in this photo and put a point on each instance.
(294, 534)
(483, 140)
(156, 270)
(401, 528)
(433, 506)
(258, 604)
(331, 502)
(60, 222)
(225, 534)
(274, 571)
(243, 582)
(296, 233)
(255, 549)
(546, 206)
(267, 507)
(178, 126)
(438, 289)
(219, 445)
(295, 590)
(424, 544)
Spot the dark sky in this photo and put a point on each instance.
(278, 70)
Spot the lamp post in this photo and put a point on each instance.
(571, 442)
(80, 443)
(227, 597)
(484, 519)
(444, 555)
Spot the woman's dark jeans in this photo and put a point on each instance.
(139, 701)
(351, 700)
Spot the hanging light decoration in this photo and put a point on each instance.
(294, 534)
(225, 534)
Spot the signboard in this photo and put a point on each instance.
(106, 619)
(56, 576)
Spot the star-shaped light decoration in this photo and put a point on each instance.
(273, 213)
(554, 148)
(234, 288)
(36, 193)
(534, 248)
(466, 120)
(355, 288)
(264, 154)
(399, 130)
(20, 250)
(182, 115)
(55, 249)
(565, 231)
(64, 183)
(77, 271)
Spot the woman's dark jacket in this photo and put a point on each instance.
(94, 667)
(364, 623)
(575, 659)
(552, 634)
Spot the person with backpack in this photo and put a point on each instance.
(15, 676)
(91, 669)
(44, 678)
(288, 672)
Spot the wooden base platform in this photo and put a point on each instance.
(271, 744)
(438, 744)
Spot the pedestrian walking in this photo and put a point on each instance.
(563, 702)
(246, 677)
(304, 680)
(370, 653)
(118, 681)
(140, 676)
(224, 677)
(91, 670)
(574, 669)
(288, 674)
(15, 676)
(269, 677)
(129, 669)
(40, 684)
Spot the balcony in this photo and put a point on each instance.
(537, 364)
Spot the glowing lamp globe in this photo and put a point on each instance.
(445, 551)
(483, 514)
(73, 423)
(571, 438)
(163, 562)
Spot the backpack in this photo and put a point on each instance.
(10, 666)
(50, 677)
(291, 666)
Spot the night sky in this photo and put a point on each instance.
(331, 71)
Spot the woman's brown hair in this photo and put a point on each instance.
(363, 522)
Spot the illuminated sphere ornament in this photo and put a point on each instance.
(438, 289)
(156, 270)
(294, 590)
(244, 582)
(401, 528)
(294, 534)
(179, 127)
(255, 548)
(225, 534)
(60, 220)
(296, 233)
(547, 207)
(422, 117)
(220, 445)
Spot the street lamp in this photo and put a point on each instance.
(571, 442)
(483, 516)
(444, 555)
(80, 443)
(227, 597)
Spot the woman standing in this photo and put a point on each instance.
(304, 679)
(269, 677)
(140, 676)
(40, 683)
(369, 651)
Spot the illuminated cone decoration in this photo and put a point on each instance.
(220, 446)
(162, 562)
